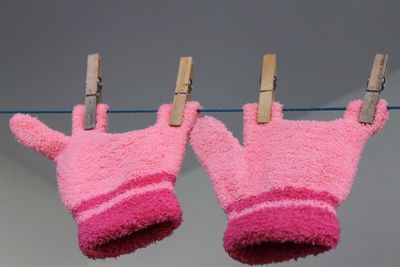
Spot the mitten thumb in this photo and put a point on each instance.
(32, 133)
(221, 155)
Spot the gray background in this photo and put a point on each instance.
(325, 50)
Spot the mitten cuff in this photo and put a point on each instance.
(133, 216)
(281, 225)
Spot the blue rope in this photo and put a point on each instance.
(204, 110)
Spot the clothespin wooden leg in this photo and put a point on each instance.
(267, 88)
(182, 90)
(374, 88)
(93, 89)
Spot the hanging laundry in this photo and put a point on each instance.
(118, 187)
(280, 190)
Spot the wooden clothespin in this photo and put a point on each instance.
(267, 88)
(93, 89)
(375, 85)
(182, 90)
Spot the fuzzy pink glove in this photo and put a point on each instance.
(280, 190)
(118, 187)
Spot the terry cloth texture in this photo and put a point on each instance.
(118, 187)
(280, 190)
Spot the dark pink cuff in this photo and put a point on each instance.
(281, 225)
(137, 221)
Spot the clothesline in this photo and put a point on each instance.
(203, 110)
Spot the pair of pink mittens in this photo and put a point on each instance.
(280, 190)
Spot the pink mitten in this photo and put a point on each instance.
(280, 190)
(118, 187)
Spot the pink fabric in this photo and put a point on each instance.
(279, 234)
(97, 171)
(133, 223)
(131, 185)
(288, 193)
(284, 160)
(103, 207)
(282, 204)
